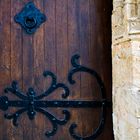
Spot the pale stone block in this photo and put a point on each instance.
(126, 69)
(134, 26)
(139, 134)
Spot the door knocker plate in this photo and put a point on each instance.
(30, 18)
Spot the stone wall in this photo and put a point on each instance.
(126, 69)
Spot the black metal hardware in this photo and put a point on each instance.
(31, 103)
(30, 18)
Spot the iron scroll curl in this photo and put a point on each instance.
(79, 68)
(33, 104)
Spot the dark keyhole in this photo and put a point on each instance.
(30, 22)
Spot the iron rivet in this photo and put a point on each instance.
(56, 103)
(17, 115)
(53, 119)
(54, 86)
(79, 103)
(32, 102)
(6, 102)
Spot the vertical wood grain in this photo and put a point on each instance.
(50, 52)
(38, 69)
(100, 43)
(5, 73)
(84, 53)
(62, 49)
(73, 27)
(74, 48)
(28, 76)
(16, 62)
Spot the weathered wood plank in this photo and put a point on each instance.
(73, 26)
(16, 62)
(62, 52)
(5, 66)
(74, 48)
(38, 69)
(50, 50)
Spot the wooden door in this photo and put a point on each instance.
(72, 28)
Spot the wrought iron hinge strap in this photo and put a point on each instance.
(59, 104)
(32, 104)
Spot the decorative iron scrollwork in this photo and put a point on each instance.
(30, 18)
(32, 103)
(103, 104)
